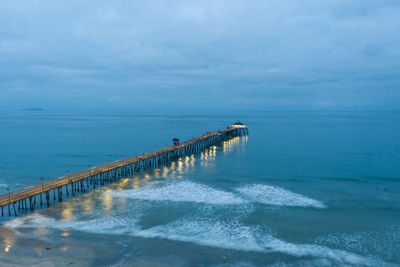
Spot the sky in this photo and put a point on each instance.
(200, 55)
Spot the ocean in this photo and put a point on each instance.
(302, 189)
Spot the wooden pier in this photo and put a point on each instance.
(51, 191)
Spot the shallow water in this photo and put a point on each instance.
(302, 189)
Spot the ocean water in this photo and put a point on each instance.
(303, 189)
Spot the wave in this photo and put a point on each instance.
(182, 192)
(234, 236)
(384, 242)
(277, 196)
(186, 191)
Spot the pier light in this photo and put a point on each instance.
(41, 198)
(41, 181)
(9, 195)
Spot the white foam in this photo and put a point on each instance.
(211, 233)
(214, 234)
(245, 238)
(33, 220)
(277, 196)
(383, 242)
(13, 224)
(182, 192)
(185, 191)
(113, 225)
(301, 250)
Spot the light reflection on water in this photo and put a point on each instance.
(165, 172)
(136, 182)
(192, 160)
(180, 166)
(156, 173)
(238, 142)
(173, 170)
(64, 248)
(67, 211)
(65, 232)
(123, 183)
(88, 205)
(42, 231)
(107, 200)
(8, 241)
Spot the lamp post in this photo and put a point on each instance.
(41, 193)
(72, 187)
(90, 174)
(9, 200)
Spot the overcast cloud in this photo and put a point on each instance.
(268, 55)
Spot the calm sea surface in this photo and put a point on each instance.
(304, 188)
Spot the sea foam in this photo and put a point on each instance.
(276, 196)
(182, 192)
(212, 233)
(384, 243)
(186, 191)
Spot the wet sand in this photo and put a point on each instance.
(18, 250)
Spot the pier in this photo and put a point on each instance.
(46, 193)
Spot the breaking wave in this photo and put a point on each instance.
(210, 233)
(198, 193)
(277, 196)
(182, 192)
(384, 243)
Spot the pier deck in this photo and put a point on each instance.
(26, 198)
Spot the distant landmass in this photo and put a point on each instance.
(33, 109)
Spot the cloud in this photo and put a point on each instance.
(201, 54)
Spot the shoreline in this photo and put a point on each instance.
(19, 250)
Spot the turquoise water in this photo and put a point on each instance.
(304, 188)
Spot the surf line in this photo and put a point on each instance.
(31, 197)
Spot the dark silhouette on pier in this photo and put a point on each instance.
(30, 197)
